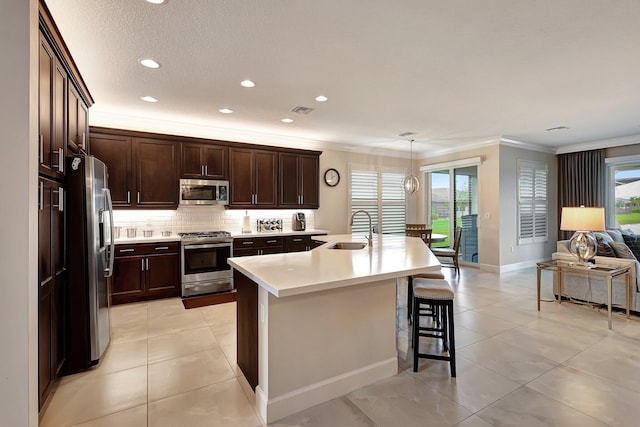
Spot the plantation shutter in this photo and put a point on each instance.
(381, 195)
(532, 202)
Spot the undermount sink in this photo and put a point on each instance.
(348, 245)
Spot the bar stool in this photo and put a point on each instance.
(430, 275)
(439, 296)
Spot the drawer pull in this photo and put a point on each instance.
(297, 240)
(247, 243)
(126, 250)
(272, 241)
(162, 248)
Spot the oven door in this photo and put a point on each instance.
(203, 261)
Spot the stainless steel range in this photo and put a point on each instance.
(204, 262)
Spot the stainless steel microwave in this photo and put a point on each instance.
(204, 192)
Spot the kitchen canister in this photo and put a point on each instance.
(116, 232)
(147, 233)
(131, 232)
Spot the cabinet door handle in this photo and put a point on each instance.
(141, 264)
(162, 248)
(202, 170)
(41, 196)
(60, 199)
(138, 197)
(128, 197)
(41, 148)
(147, 264)
(126, 250)
(302, 199)
(60, 165)
(206, 170)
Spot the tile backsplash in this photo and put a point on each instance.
(201, 218)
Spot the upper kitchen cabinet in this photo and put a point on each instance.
(143, 172)
(52, 88)
(253, 178)
(63, 98)
(299, 181)
(116, 151)
(78, 123)
(156, 173)
(204, 161)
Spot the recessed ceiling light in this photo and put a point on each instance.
(157, 1)
(148, 98)
(321, 98)
(225, 111)
(149, 63)
(247, 83)
(287, 120)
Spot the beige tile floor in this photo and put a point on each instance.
(167, 366)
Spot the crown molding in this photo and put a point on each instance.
(603, 143)
(527, 145)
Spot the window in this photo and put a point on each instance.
(623, 196)
(381, 194)
(532, 202)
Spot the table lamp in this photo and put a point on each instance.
(583, 221)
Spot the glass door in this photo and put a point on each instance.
(453, 202)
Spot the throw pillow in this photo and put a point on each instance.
(604, 248)
(616, 234)
(621, 250)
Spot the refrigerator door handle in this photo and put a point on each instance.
(108, 272)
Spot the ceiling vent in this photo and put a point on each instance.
(557, 128)
(301, 110)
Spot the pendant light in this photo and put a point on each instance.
(411, 182)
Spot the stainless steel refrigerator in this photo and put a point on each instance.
(90, 251)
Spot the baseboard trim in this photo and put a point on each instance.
(297, 400)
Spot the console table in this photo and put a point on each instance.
(609, 273)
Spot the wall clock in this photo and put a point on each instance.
(331, 177)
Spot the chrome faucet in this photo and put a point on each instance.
(370, 238)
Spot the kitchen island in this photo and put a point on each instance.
(315, 325)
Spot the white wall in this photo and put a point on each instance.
(18, 210)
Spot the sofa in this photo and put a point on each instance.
(594, 289)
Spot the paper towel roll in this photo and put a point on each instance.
(246, 224)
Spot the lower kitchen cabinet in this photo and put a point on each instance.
(300, 243)
(258, 246)
(145, 271)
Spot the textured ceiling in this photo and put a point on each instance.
(455, 72)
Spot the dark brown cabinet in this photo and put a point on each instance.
(143, 172)
(52, 88)
(204, 161)
(258, 246)
(300, 243)
(299, 181)
(77, 119)
(253, 178)
(117, 153)
(156, 166)
(51, 280)
(145, 271)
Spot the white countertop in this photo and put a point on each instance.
(323, 268)
(152, 239)
(238, 235)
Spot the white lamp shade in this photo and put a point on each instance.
(582, 219)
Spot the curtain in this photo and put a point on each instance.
(581, 181)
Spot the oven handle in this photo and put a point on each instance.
(201, 284)
(208, 246)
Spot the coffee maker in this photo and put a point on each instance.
(298, 222)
